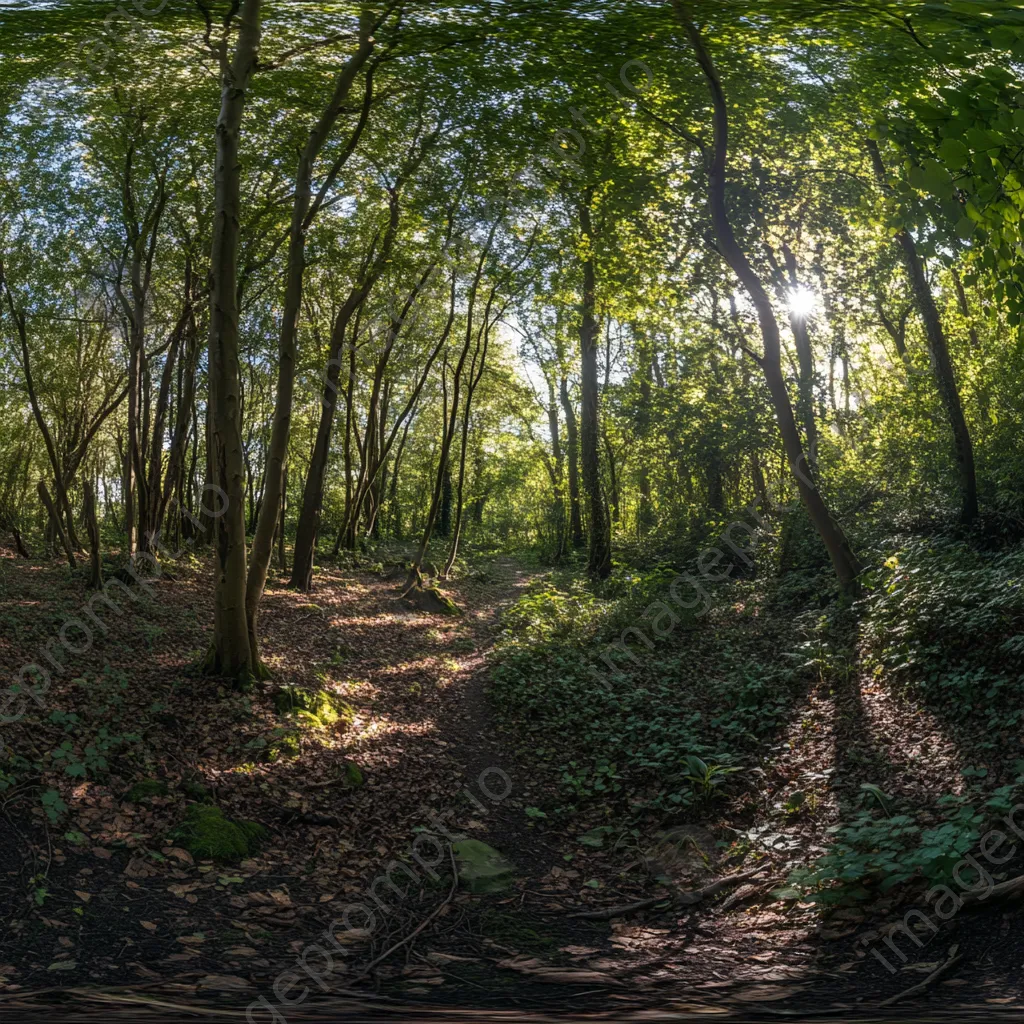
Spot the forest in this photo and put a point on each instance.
(511, 509)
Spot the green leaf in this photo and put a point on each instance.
(954, 154)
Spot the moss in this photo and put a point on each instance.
(208, 835)
(145, 789)
(195, 791)
(432, 600)
(285, 746)
(322, 704)
(354, 775)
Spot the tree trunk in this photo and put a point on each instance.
(19, 544)
(945, 375)
(844, 562)
(557, 471)
(965, 310)
(231, 654)
(18, 315)
(599, 562)
(89, 511)
(805, 363)
(55, 524)
(282, 561)
(304, 208)
(572, 457)
(313, 493)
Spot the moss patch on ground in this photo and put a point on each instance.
(317, 708)
(208, 835)
(145, 789)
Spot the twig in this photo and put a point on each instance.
(423, 924)
(683, 899)
(921, 986)
(628, 908)
(113, 997)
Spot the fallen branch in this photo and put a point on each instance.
(685, 899)
(1011, 887)
(627, 908)
(689, 898)
(922, 985)
(423, 924)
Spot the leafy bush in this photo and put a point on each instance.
(708, 694)
(948, 621)
(870, 855)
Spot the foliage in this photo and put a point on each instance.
(946, 620)
(674, 723)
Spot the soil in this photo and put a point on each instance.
(104, 918)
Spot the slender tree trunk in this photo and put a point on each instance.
(313, 493)
(19, 544)
(843, 560)
(805, 363)
(282, 561)
(55, 523)
(231, 654)
(599, 562)
(572, 457)
(89, 510)
(263, 535)
(945, 375)
(557, 471)
(965, 310)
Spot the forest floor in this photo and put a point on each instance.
(104, 916)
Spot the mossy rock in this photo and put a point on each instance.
(432, 600)
(208, 835)
(322, 705)
(481, 867)
(354, 775)
(145, 789)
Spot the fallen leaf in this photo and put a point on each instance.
(148, 925)
(181, 890)
(62, 965)
(83, 896)
(139, 867)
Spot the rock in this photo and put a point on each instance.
(318, 708)
(208, 835)
(481, 867)
(430, 599)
